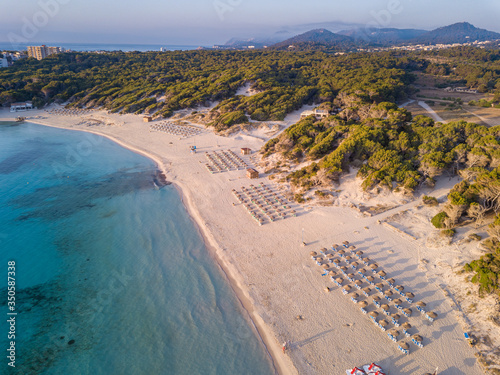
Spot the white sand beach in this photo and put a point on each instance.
(277, 281)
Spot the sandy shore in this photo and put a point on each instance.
(277, 282)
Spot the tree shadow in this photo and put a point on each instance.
(309, 340)
(452, 371)
(449, 328)
(399, 364)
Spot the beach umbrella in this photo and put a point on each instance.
(379, 285)
(359, 252)
(358, 282)
(355, 295)
(352, 247)
(323, 249)
(348, 257)
(339, 280)
(409, 295)
(313, 253)
(388, 293)
(337, 261)
(406, 325)
(407, 311)
(397, 301)
(421, 304)
(391, 281)
(383, 323)
(341, 251)
(331, 273)
(347, 288)
(329, 256)
(395, 316)
(382, 273)
(363, 304)
(394, 332)
(343, 268)
(400, 287)
(417, 338)
(346, 242)
(355, 264)
(325, 266)
(404, 345)
(385, 307)
(367, 290)
(335, 245)
(376, 298)
(350, 275)
(431, 314)
(366, 260)
(374, 266)
(362, 270)
(370, 278)
(374, 314)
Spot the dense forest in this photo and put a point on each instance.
(389, 147)
(160, 83)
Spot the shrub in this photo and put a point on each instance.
(299, 198)
(475, 237)
(486, 271)
(430, 201)
(438, 220)
(448, 233)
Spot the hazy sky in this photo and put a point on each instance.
(206, 22)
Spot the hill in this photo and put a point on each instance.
(317, 39)
(462, 32)
(383, 37)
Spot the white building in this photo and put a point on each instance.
(318, 113)
(21, 106)
(4, 63)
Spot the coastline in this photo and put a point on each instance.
(275, 275)
(264, 334)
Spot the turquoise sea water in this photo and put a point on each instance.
(112, 276)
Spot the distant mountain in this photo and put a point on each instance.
(317, 39)
(245, 43)
(462, 32)
(383, 36)
(360, 37)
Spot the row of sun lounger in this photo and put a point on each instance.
(354, 273)
(263, 203)
(184, 131)
(68, 112)
(388, 294)
(224, 161)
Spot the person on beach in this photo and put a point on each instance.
(285, 344)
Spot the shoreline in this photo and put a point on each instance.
(264, 335)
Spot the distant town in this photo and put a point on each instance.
(8, 58)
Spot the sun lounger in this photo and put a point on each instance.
(355, 371)
(372, 368)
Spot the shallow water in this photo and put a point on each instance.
(112, 276)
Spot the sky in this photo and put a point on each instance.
(208, 22)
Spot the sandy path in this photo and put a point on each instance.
(434, 115)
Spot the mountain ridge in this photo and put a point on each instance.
(322, 38)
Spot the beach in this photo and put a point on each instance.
(273, 274)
